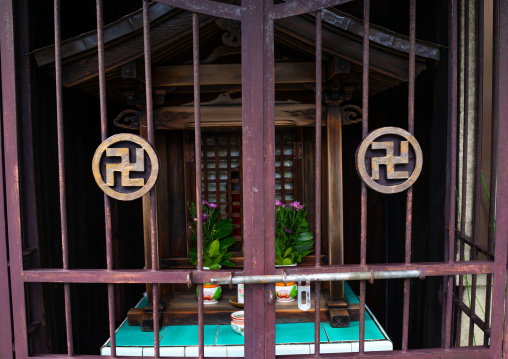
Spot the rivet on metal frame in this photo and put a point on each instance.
(378, 170)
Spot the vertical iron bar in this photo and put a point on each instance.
(409, 202)
(493, 161)
(478, 164)
(268, 66)
(319, 45)
(495, 119)
(6, 340)
(258, 162)
(61, 173)
(465, 135)
(107, 201)
(199, 199)
(10, 209)
(35, 310)
(365, 129)
(452, 163)
(500, 177)
(151, 140)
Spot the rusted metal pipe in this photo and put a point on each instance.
(318, 277)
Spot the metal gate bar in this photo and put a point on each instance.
(61, 174)
(499, 222)
(478, 176)
(199, 194)
(107, 200)
(494, 144)
(365, 130)
(409, 203)
(6, 342)
(153, 200)
(317, 177)
(10, 159)
(452, 177)
(110, 276)
(182, 275)
(318, 277)
(462, 208)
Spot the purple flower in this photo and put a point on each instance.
(195, 219)
(287, 230)
(204, 217)
(296, 205)
(279, 203)
(212, 205)
(205, 202)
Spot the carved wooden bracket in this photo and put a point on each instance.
(232, 36)
(351, 114)
(129, 119)
(220, 112)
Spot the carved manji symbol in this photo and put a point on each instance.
(389, 160)
(125, 166)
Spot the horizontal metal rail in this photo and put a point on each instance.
(318, 277)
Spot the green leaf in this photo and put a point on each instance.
(215, 214)
(278, 260)
(228, 255)
(293, 292)
(227, 263)
(305, 236)
(278, 249)
(300, 248)
(219, 234)
(226, 243)
(215, 266)
(218, 259)
(223, 224)
(286, 261)
(207, 261)
(288, 251)
(217, 294)
(305, 254)
(214, 248)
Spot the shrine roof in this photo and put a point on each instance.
(171, 35)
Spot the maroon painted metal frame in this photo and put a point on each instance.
(258, 143)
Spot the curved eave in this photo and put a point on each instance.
(125, 26)
(129, 24)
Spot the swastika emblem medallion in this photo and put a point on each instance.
(125, 166)
(389, 160)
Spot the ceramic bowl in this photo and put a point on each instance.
(286, 293)
(211, 293)
(237, 322)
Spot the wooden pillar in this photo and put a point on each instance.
(335, 205)
(146, 221)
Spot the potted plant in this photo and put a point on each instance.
(292, 242)
(216, 241)
(216, 237)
